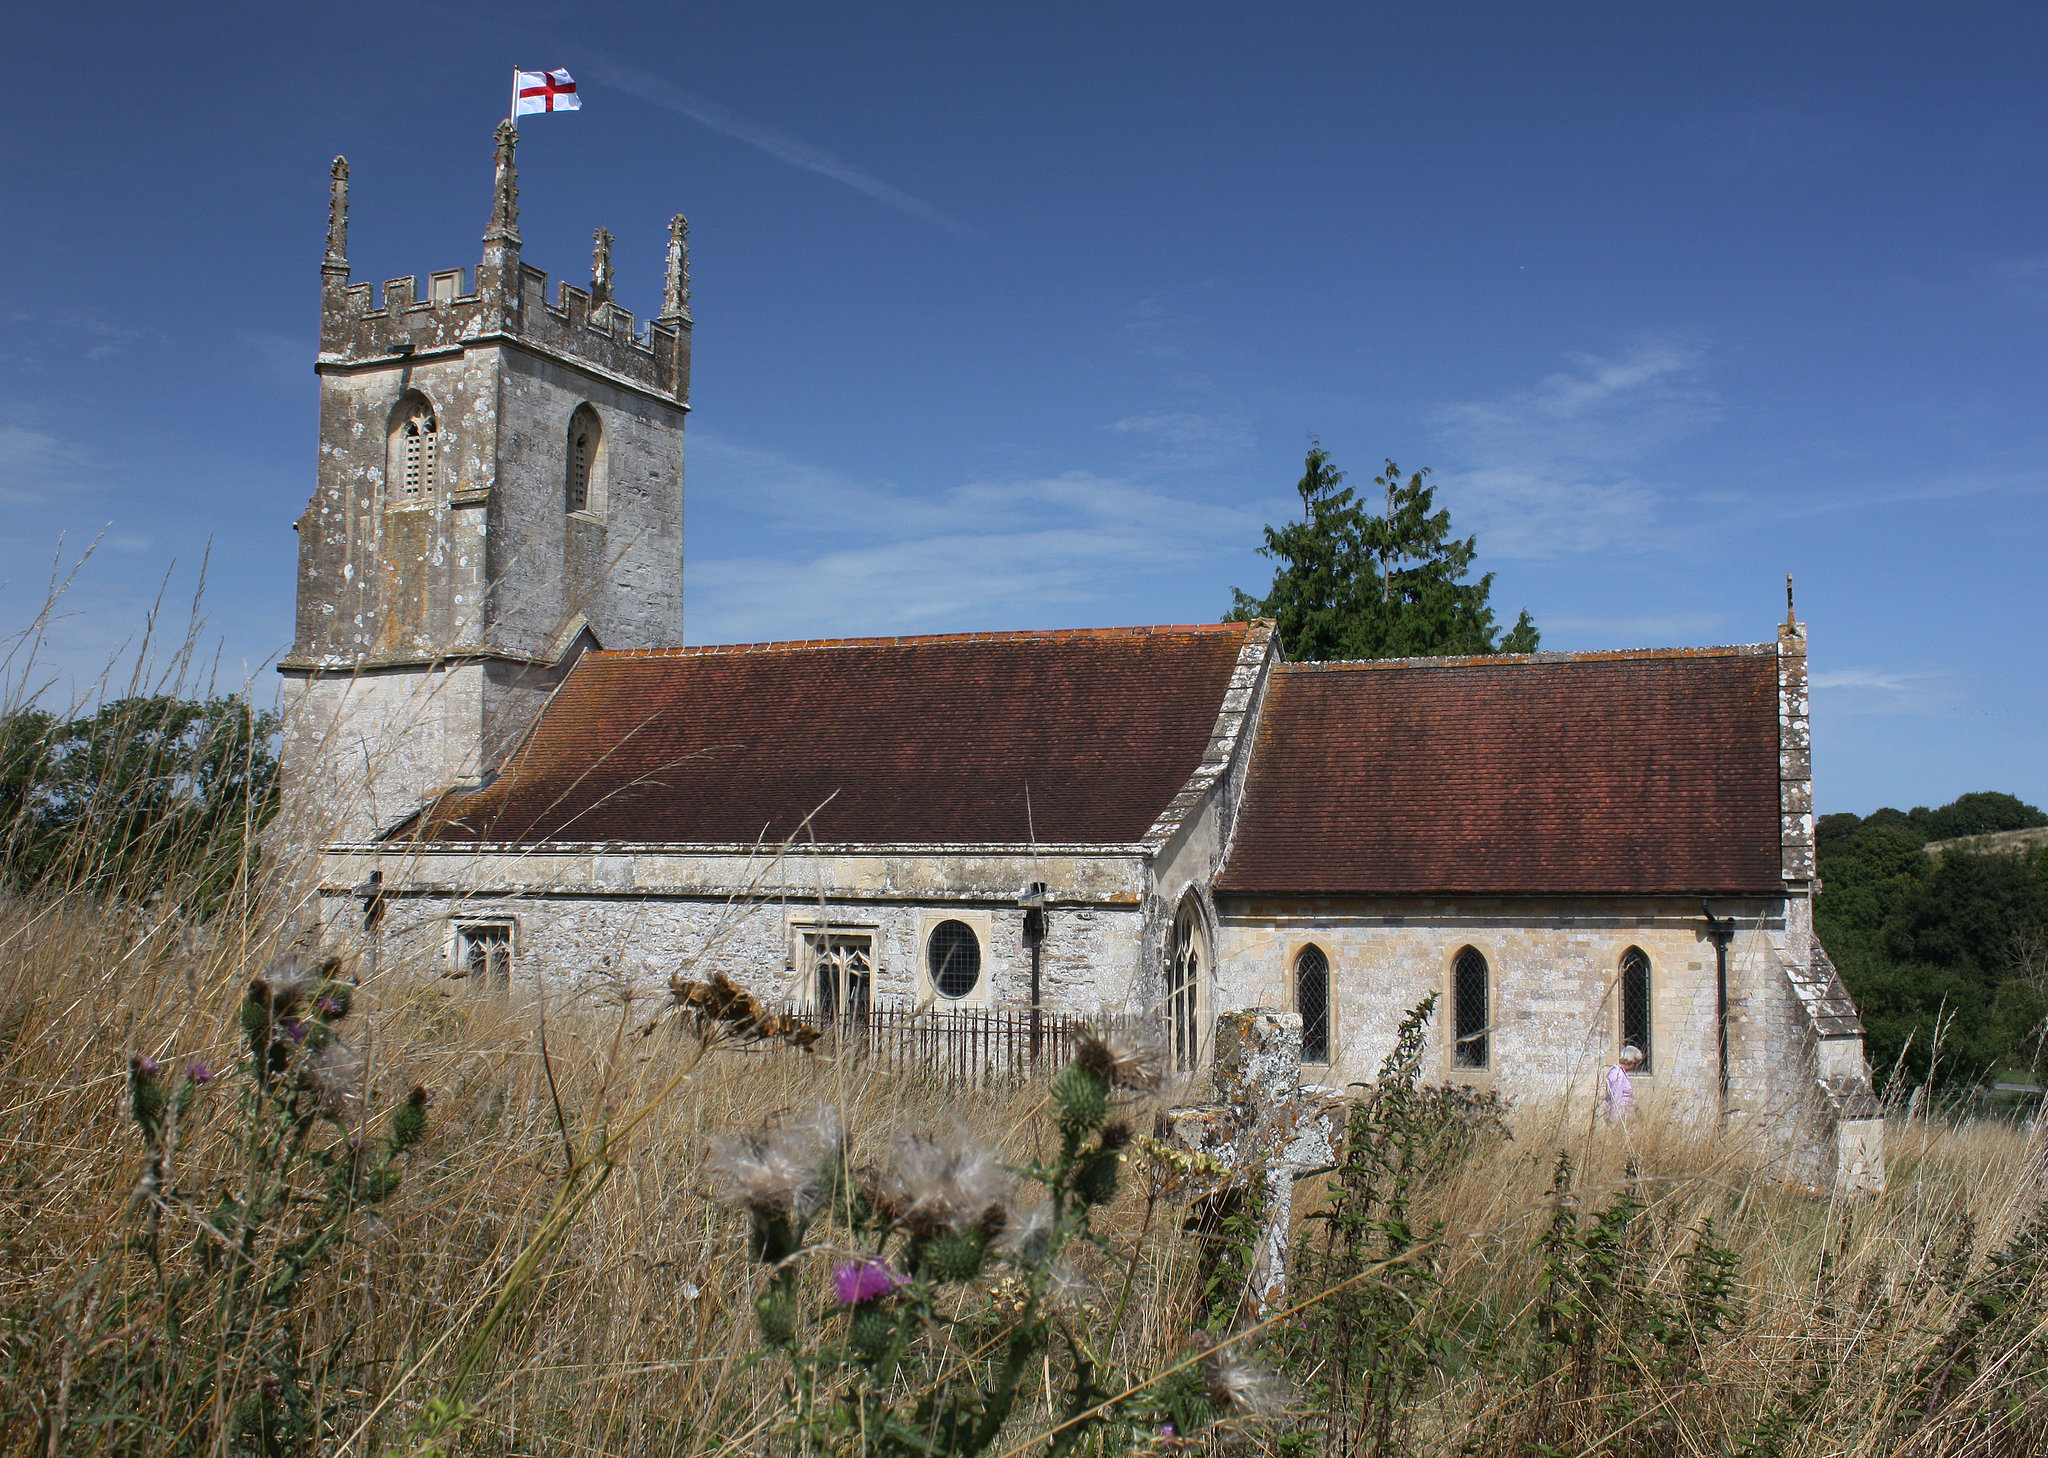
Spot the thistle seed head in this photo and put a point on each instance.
(1027, 1234)
(779, 1170)
(331, 1076)
(1240, 1386)
(934, 1186)
(1122, 1060)
(288, 981)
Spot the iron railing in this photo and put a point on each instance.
(966, 1045)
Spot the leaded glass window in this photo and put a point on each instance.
(953, 958)
(1312, 1001)
(1635, 1003)
(1184, 989)
(1469, 997)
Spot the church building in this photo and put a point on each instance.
(505, 767)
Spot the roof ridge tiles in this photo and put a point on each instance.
(1590, 655)
(697, 650)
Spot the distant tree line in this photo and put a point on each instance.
(1946, 954)
(145, 796)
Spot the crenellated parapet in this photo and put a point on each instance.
(360, 326)
(504, 300)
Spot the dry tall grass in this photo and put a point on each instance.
(639, 1338)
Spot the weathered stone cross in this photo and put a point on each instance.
(1264, 1123)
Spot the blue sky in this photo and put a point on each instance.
(1023, 317)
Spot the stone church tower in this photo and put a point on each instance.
(500, 488)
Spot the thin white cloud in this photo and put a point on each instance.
(1882, 691)
(847, 558)
(1948, 488)
(655, 91)
(1185, 439)
(35, 465)
(1643, 630)
(1563, 467)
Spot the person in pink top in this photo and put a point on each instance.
(1621, 1094)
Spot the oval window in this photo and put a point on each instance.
(953, 956)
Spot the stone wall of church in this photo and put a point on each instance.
(360, 751)
(598, 947)
(598, 920)
(1554, 967)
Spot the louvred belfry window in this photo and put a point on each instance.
(582, 487)
(415, 443)
(419, 454)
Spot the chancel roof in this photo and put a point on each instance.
(1546, 773)
(1058, 737)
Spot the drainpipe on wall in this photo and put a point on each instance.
(372, 892)
(1033, 901)
(1721, 933)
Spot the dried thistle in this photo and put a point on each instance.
(783, 1170)
(288, 981)
(1239, 1386)
(1122, 1060)
(951, 1186)
(331, 1075)
(723, 1004)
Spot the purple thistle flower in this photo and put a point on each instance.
(199, 1071)
(148, 1067)
(859, 1282)
(327, 1007)
(295, 1030)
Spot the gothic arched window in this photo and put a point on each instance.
(1312, 1001)
(1469, 998)
(1184, 988)
(414, 447)
(584, 491)
(1635, 1002)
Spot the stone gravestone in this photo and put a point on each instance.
(1264, 1124)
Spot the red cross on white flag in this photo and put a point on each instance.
(543, 91)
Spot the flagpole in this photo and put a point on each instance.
(512, 113)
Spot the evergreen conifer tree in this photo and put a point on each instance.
(1356, 585)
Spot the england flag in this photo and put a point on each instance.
(543, 91)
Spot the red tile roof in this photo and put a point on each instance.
(917, 740)
(1586, 774)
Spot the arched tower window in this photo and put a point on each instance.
(414, 449)
(1469, 1010)
(585, 485)
(1184, 988)
(1635, 1002)
(1312, 1001)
